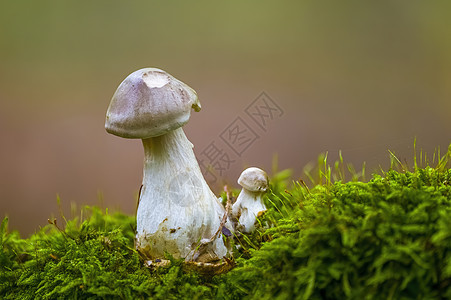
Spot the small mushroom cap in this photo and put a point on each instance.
(254, 180)
(149, 103)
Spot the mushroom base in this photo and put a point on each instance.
(158, 245)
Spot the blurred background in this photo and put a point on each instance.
(358, 76)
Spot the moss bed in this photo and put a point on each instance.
(388, 238)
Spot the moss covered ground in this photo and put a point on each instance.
(323, 237)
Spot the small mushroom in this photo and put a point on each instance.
(177, 209)
(249, 204)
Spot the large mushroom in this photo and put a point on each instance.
(177, 212)
(249, 204)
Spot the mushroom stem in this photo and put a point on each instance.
(177, 209)
(248, 206)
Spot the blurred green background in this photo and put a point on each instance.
(360, 76)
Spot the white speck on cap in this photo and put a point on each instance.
(155, 79)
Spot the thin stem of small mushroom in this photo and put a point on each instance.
(177, 209)
(247, 208)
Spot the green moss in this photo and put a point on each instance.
(389, 238)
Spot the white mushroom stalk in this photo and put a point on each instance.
(249, 204)
(177, 212)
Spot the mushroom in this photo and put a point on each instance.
(249, 204)
(177, 211)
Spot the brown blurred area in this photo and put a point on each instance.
(357, 76)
